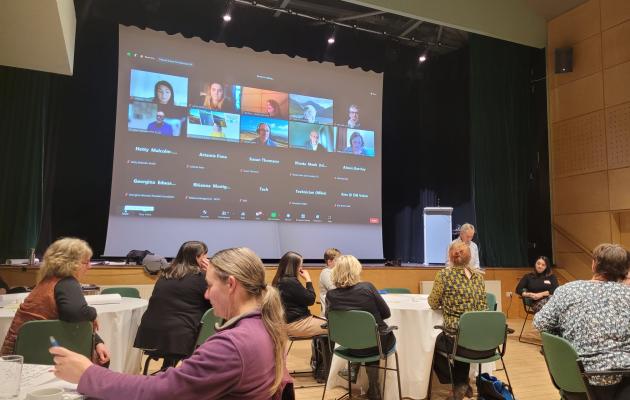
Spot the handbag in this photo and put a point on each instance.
(491, 388)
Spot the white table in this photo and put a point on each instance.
(415, 342)
(118, 324)
(36, 377)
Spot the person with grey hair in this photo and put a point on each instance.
(594, 316)
(466, 234)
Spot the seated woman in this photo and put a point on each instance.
(457, 289)
(171, 323)
(296, 298)
(595, 317)
(352, 294)
(243, 360)
(538, 285)
(58, 294)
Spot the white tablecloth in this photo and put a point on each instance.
(35, 377)
(415, 342)
(118, 326)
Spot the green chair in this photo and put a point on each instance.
(527, 306)
(561, 359)
(123, 291)
(207, 328)
(33, 340)
(399, 290)
(479, 331)
(352, 330)
(491, 302)
(566, 370)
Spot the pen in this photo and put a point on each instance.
(53, 342)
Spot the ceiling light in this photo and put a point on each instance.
(422, 58)
(331, 40)
(227, 17)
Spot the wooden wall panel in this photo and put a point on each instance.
(614, 12)
(563, 245)
(577, 98)
(590, 229)
(579, 145)
(619, 187)
(617, 84)
(576, 264)
(618, 135)
(624, 229)
(581, 193)
(574, 26)
(615, 47)
(587, 60)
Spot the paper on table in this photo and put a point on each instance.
(16, 298)
(113, 298)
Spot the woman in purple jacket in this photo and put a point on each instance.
(243, 360)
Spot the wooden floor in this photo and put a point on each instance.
(524, 362)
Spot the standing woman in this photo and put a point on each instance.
(243, 360)
(296, 298)
(538, 285)
(171, 323)
(58, 294)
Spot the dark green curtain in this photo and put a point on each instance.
(500, 139)
(24, 98)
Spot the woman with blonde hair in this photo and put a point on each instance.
(243, 360)
(352, 294)
(58, 294)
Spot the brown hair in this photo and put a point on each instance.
(185, 261)
(288, 266)
(459, 254)
(247, 268)
(331, 254)
(611, 261)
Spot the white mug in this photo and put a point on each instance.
(45, 394)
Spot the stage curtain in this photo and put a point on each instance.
(23, 104)
(500, 144)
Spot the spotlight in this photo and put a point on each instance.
(331, 40)
(422, 58)
(227, 17)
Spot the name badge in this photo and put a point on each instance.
(547, 282)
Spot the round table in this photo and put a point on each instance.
(118, 324)
(415, 341)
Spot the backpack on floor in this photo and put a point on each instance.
(321, 358)
(490, 388)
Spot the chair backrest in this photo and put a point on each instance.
(352, 329)
(491, 302)
(401, 290)
(481, 330)
(561, 359)
(33, 340)
(207, 328)
(123, 291)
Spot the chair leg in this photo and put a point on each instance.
(507, 376)
(145, 370)
(384, 378)
(350, 382)
(397, 376)
(450, 373)
(523, 327)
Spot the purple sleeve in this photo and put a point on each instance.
(209, 373)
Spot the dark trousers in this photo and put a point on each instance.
(445, 343)
(620, 391)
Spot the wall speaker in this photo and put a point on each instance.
(564, 60)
